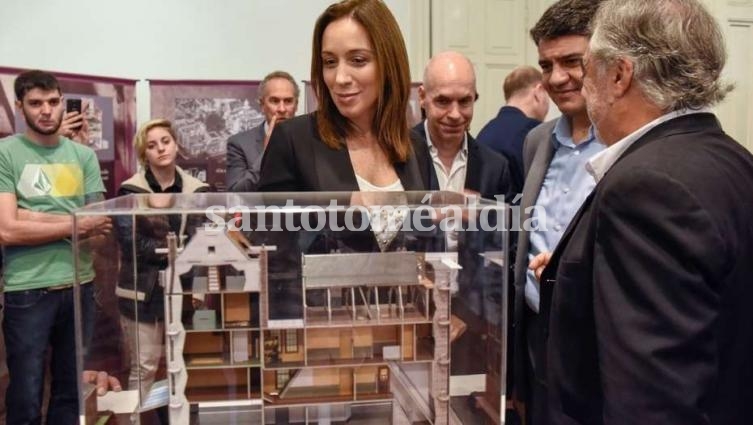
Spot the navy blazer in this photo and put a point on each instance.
(506, 134)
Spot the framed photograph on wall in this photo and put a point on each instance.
(205, 114)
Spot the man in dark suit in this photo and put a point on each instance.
(554, 155)
(458, 163)
(527, 104)
(650, 287)
(278, 98)
(455, 162)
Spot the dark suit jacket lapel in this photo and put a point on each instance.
(537, 172)
(473, 170)
(548, 277)
(257, 141)
(536, 169)
(423, 157)
(410, 174)
(418, 172)
(532, 187)
(259, 135)
(334, 170)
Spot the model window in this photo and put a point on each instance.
(282, 378)
(291, 341)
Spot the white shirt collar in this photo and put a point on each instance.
(600, 163)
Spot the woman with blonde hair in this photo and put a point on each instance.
(141, 299)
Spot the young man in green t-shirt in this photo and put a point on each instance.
(43, 178)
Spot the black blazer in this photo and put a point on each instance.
(488, 172)
(297, 160)
(649, 290)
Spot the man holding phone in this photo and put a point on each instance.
(43, 178)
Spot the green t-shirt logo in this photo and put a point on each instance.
(42, 182)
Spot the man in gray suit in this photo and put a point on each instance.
(278, 98)
(554, 157)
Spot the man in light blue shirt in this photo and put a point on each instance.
(566, 184)
(554, 157)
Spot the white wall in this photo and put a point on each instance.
(166, 39)
(245, 39)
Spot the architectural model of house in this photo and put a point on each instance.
(378, 335)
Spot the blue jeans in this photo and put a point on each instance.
(35, 319)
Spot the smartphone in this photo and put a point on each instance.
(73, 105)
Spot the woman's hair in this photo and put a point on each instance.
(140, 141)
(390, 123)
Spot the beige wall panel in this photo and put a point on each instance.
(504, 30)
(491, 86)
(452, 26)
(492, 34)
(736, 113)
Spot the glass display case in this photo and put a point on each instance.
(288, 308)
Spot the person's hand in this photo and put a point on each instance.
(269, 130)
(94, 225)
(82, 135)
(539, 262)
(102, 381)
(74, 126)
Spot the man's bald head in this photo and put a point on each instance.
(447, 96)
(449, 66)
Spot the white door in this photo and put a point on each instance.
(494, 36)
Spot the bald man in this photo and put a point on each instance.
(459, 163)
